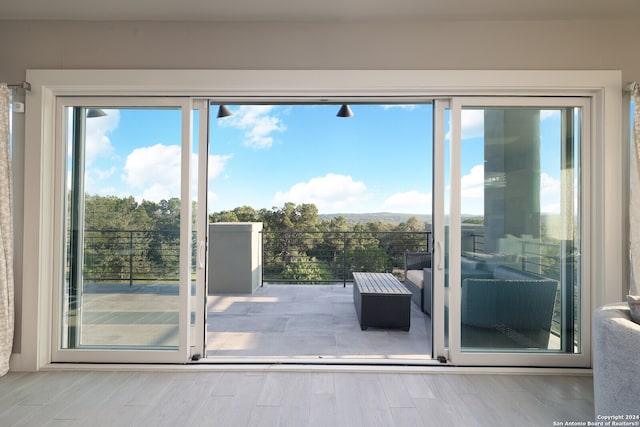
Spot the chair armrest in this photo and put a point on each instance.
(417, 260)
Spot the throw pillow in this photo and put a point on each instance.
(634, 306)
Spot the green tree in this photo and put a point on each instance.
(294, 221)
(307, 269)
(112, 237)
(473, 220)
(162, 251)
(239, 214)
(294, 234)
(369, 258)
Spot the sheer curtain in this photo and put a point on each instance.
(634, 196)
(6, 236)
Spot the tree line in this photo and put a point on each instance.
(127, 240)
(299, 246)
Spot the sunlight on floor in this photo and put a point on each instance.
(220, 303)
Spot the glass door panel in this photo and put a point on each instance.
(127, 266)
(516, 243)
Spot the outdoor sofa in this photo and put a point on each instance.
(616, 365)
(501, 306)
(514, 308)
(418, 276)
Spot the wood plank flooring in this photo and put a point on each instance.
(299, 398)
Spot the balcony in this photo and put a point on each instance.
(299, 313)
(304, 308)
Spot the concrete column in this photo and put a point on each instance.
(512, 175)
(235, 257)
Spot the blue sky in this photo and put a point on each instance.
(379, 160)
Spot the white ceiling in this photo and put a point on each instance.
(318, 10)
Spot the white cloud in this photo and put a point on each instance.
(472, 188)
(409, 202)
(549, 186)
(547, 114)
(217, 163)
(472, 191)
(257, 123)
(329, 192)
(549, 193)
(472, 184)
(155, 171)
(472, 124)
(104, 174)
(408, 107)
(97, 181)
(97, 142)
(553, 208)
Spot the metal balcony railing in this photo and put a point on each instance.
(332, 256)
(287, 256)
(134, 256)
(131, 255)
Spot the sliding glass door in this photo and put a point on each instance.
(513, 231)
(125, 280)
(509, 227)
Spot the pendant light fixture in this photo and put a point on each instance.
(95, 112)
(344, 111)
(223, 112)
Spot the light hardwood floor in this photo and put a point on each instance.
(291, 398)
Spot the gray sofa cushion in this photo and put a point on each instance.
(416, 277)
(415, 264)
(616, 345)
(634, 307)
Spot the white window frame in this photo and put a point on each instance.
(609, 233)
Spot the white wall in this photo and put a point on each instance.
(397, 45)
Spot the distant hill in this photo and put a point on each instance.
(393, 218)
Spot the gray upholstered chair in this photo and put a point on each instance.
(415, 264)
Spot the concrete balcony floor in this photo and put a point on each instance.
(307, 322)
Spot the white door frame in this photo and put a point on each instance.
(609, 237)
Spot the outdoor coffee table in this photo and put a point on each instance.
(381, 301)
